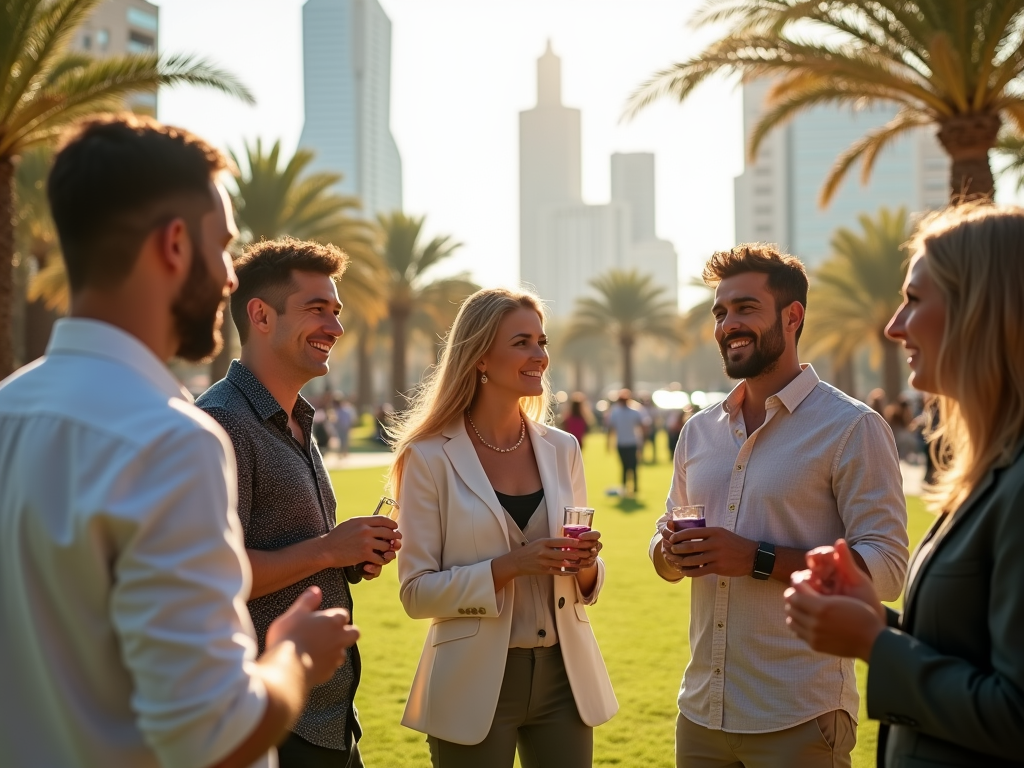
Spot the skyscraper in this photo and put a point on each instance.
(777, 194)
(346, 58)
(563, 242)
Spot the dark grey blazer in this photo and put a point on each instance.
(948, 676)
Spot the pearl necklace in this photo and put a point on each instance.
(522, 435)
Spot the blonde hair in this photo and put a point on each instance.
(449, 389)
(975, 255)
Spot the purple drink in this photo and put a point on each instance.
(574, 531)
(686, 523)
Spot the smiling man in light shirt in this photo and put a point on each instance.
(785, 464)
(124, 639)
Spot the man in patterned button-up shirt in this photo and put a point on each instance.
(286, 310)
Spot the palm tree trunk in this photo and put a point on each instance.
(627, 361)
(842, 373)
(399, 319)
(6, 266)
(364, 382)
(892, 374)
(967, 139)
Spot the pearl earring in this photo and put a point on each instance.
(483, 379)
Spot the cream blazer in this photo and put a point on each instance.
(452, 527)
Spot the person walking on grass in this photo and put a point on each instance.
(510, 661)
(627, 424)
(785, 464)
(286, 311)
(123, 638)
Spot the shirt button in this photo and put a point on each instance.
(542, 633)
(720, 625)
(718, 671)
(722, 585)
(732, 507)
(561, 602)
(739, 467)
(522, 543)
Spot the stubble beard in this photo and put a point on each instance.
(195, 312)
(768, 349)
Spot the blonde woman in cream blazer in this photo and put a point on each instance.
(510, 660)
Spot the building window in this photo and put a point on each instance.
(103, 38)
(762, 190)
(139, 43)
(763, 210)
(143, 19)
(87, 42)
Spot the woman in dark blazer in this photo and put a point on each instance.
(946, 677)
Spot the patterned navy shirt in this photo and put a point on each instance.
(284, 497)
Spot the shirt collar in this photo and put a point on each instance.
(264, 403)
(790, 396)
(95, 338)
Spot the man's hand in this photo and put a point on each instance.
(319, 637)
(700, 551)
(366, 539)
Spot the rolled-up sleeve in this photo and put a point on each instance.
(868, 488)
(428, 590)
(178, 603)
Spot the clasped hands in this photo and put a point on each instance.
(833, 605)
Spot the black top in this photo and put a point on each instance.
(284, 497)
(521, 508)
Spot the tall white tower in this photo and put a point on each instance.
(549, 170)
(346, 58)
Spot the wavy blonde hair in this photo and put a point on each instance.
(975, 255)
(449, 389)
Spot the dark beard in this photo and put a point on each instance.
(765, 357)
(195, 312)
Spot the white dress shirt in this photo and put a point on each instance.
(124, 638)
(821, 467)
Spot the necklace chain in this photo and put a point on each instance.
(522, 435)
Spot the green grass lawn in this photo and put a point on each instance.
(640, 623)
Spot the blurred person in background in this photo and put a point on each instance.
(626, 424)
(510, 660)
(577, 423)
(123, 636)
(946, 676)
(785, 464)
(286, 310)
(345, 417)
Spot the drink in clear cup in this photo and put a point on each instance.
(575, 522)
(689, 516)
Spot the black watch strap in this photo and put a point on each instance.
(764, 560)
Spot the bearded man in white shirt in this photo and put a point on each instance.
(785, 464)
(124, 639)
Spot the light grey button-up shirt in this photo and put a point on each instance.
(821, 467)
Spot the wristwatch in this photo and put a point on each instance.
(764, 560)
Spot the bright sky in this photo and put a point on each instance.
(461, 72)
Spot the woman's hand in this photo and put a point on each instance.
(588, 546)
(543, 557)
(833, 606)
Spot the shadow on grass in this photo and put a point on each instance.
(629, 505)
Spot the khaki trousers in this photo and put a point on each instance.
(824, 742)
(536, 712)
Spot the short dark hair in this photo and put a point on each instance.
(114, 180)
(787, 277)
(265, 272)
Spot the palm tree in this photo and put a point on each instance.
(953, 64)
(855, 293)
(272, 201)
(44, 88)
(414, 300)
(629, 306)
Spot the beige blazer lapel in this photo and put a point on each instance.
(547, 463)
(462, 455)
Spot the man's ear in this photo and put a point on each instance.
(260, 315)
(174, 249)
(793, 316)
